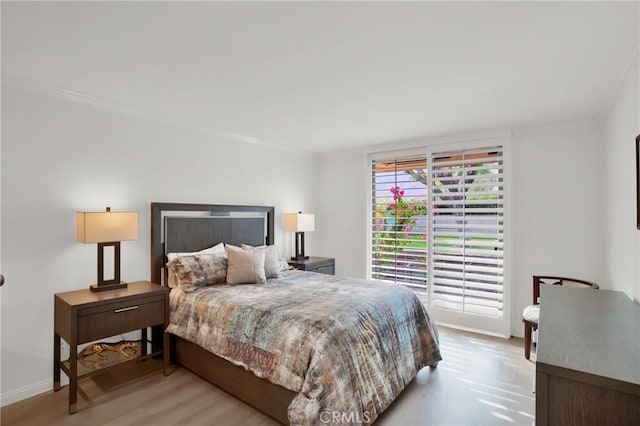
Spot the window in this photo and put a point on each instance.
(437, 227)
(399, 222)
(467, 231)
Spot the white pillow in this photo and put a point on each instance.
(271, 259)
(217, 249)
(173, 280)
(244, 266)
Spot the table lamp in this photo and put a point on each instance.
(299, 223)
(107, 229)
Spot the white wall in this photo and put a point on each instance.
(622, 238)
(556, 211)
(341, 219)
(558, 206)
(60, 156)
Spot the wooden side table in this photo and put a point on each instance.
(84, 316)
(323, 265)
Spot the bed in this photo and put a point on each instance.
(303, 348)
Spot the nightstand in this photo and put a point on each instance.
(323, 265)
(84, 316)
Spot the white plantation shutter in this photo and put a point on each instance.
(399, 222)
(467, 224)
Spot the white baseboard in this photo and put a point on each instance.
(26, 392)
(473, 330)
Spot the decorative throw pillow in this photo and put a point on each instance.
(199, 269)
(245, 267)
(173, 279)
(283, 265)
(282, 262)
(271, 256)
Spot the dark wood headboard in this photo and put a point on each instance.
(177, 227)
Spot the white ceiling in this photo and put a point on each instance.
(330, 76)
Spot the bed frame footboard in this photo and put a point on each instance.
(264, 396)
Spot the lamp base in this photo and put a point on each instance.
(299, 257)
(107, 287)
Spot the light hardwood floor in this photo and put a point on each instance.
(481, 381)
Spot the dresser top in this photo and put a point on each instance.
(591, 331)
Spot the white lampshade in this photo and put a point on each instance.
(108, 226)
(299, 222)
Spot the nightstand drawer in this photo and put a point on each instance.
(115, 318)
(325, 269)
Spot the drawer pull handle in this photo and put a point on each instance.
(130, 308)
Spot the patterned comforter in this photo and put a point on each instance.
(347, 346)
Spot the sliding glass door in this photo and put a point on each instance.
(438, 227)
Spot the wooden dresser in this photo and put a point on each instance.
(588, 358)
